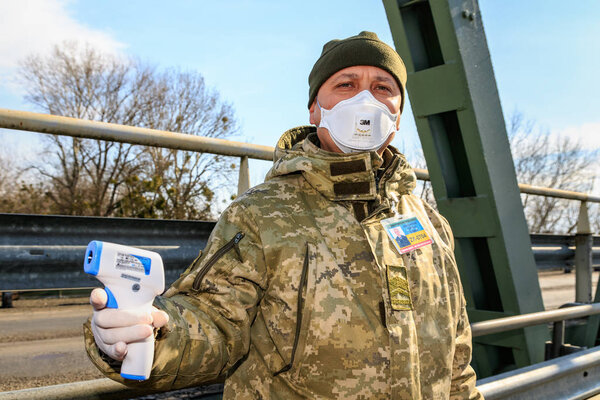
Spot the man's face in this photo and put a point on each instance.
(347, 83)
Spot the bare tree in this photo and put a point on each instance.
(89, 177)
(423, 189)
(176, 180)
(545, 160)
(7, 179)
(6, 173)
(20, 193)
(552, 161)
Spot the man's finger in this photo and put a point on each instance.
(98, 299)
(119, 351)
(159, 318)
(126, 335)
(116, 318)
(116, 351)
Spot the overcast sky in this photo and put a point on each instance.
(258, 54)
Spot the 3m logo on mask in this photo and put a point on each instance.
(363, 126)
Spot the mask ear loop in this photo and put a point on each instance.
(395, 204)
(320, 112)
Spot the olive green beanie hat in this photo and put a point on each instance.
(362, 49)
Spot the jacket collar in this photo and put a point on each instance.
(340, 176)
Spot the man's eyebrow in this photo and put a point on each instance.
(383, 78)
(346, 75)
(350, 75)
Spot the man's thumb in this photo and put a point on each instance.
(98, 299)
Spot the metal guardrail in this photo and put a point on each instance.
(558, 251)
(522, 321)
(46, 252)
(570, 377)
(557, 346)
(559, 193)
(423, 174)
(44, 123)
(575, 376)
(57, 125)
(43, 252)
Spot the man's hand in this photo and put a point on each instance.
(114, 328)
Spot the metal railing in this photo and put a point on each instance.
(522, 321)
(42, 252)
(66, 126)
(572, 377)
(575, 375)
(558, 251)
(57, 125)
(45, 252)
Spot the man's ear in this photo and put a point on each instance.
(398, 121)
(312, 112)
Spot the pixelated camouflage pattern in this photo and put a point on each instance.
(304, 307)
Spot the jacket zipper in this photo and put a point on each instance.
(232, 244)
(301, 288)
(384, 177)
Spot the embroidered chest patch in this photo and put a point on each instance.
(398, 288)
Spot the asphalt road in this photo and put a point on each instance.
(41, 341)
(44, 322)
(558, 288)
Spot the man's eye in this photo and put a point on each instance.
(384, 88)
(344, 84)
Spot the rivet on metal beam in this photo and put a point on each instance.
(468, 15)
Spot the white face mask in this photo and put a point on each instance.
(360, 123)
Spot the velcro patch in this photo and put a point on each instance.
(348, 188)
(347, 167)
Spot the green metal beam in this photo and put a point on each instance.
(457, 111)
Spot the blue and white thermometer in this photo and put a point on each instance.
(132, 278)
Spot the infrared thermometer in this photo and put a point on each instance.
(132, 278)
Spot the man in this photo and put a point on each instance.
(301, 292)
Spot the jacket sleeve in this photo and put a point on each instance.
(463, 375)
(211, 308)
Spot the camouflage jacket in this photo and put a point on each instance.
(300, 293)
